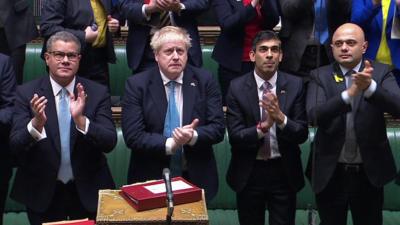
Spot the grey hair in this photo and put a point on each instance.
(63, 36)
(170, 33)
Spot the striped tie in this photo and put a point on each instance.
(165, 19)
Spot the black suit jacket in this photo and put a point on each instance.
(139, 32)
(327, 111)
(74, 16)
(297, 26)
(144, 107)
(39, 161)
(18, 21)
(242, 117)
(233, 17)
(7, 93)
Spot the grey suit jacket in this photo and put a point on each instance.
(327, 111)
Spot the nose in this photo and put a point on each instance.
(344, 47)
(269, 53)
(175, 55)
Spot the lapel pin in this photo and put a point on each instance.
(338, 78)
(283, 91)
(193, 84)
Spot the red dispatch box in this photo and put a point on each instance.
(151, 195)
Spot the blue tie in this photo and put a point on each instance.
(172, 122)
(321, 22)
(64, 125)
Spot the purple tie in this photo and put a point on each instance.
(266, 148)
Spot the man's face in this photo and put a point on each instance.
(348, 46)
(172, 58)
(63, 61)
(267, 57)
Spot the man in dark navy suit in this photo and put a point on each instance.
(266, 123)
(61, 129)
(172, 115)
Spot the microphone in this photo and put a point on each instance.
(169, 193)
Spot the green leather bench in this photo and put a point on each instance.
(222, 209)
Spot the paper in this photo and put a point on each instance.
(160, 188)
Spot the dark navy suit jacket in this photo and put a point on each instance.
(39, 161)
(139, 32)
(243, 114)
(144, 107)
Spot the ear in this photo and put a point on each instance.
(252, 55)
(280, 56)
(155, 55)
(365, 46)
(46, 58)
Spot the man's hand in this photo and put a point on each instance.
(169, 5)
(254, 3)
(113, 24)
(376, 2)
(77, 105)
(363, 79)
(38, 106)
(151, 7)
(271, 104)
(90, 35)
(183, 135)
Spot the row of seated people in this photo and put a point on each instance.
(172, 115)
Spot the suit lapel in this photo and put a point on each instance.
(281, 91)
(189, 90)
(338, 78)
(51, 126)
(251, 92)
(157, 92)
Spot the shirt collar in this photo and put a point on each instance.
(345, 70)
(57, 87)
(261, 81)
(165, 79)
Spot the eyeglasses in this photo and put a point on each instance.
(339, 43)
(59, 56)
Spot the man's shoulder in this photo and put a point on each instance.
(200, 73)
(90, 85)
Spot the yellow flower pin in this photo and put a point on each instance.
(338, 78)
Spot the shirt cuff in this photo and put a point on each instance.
(183, 7)
(282, 125)
(370, 90)
(169, 144)
(346, 97)
(86, 127)
(147, 17)
(194, 138)
(35, 133)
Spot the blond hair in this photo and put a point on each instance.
(167, 34)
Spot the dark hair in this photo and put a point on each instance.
(265, 35)
(62, 36)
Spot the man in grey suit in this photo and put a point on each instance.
(17, 27)
(352, 158)
(306, 28)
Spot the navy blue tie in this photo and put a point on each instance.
(64, 125)
(321, 22)
(172, 121)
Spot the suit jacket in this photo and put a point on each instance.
(144, 107)
(139, 32)
(370, 19)
(327, 111)
(39, 161)
(7, 93)
(74, 16)
(298, 23)
(18, 21)
(242, 117)
(232, 17)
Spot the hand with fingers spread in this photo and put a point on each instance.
(183, 135)
(77, 106)
(38, 106)
(112, 24)
(152, 7)
(169, 5)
